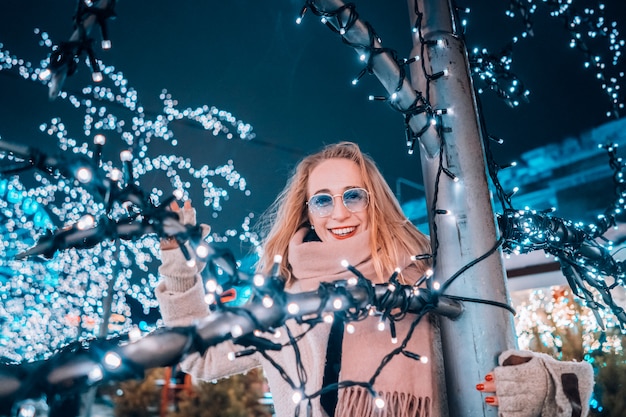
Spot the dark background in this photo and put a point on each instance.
(292, 83)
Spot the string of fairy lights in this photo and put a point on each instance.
(586, 27)
(77, 278)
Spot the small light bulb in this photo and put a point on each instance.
(236, 330)
(259, 280)
(45, 74)
(112, 360)
(202, 251)
(337, 303)
(134, 334)
(436, 285)
(328, 318)
(298, 20)
(99, 139)
(381, 326)
(296, 397)
(267, 301)
(27, 410)
(95, 374)
(293, 308)
(209, 298)
(424, 359)
(380, 403)
(85, 222)
(97, 76)
(126, 155)
(191, 263)
(231, 356)
(211, 285)
(116, 174)
(84, 175)
(350, 328)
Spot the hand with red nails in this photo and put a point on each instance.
(488, 386)
(532, 384)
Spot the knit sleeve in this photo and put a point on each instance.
(181, 299)
(180, 293)
(542, 386)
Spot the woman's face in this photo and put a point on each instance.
(334, 176)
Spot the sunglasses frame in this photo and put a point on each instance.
(342, 195)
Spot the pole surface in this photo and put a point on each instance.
(471, 343)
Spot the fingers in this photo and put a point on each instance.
(186, 215)
(486, 386)
(206, 229)
(492, 400)
(489, 386)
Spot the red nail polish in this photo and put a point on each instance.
(480, 387)
(490, 400)
(489, 377)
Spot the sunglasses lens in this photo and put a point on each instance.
(355, 199)
(321, 204)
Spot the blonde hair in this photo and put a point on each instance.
(392, 236)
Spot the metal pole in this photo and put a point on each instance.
(472, 342)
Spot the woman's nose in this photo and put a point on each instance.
(339, 209)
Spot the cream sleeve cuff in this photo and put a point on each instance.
(175, 274)
(543, 386)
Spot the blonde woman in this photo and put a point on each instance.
(335, 207)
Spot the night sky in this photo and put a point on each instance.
(292, 83)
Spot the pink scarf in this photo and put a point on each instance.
(408, 387)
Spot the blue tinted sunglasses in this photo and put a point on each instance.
(354, 199)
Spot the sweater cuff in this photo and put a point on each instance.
(177, 276)
(542, 386)
(181, 308)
